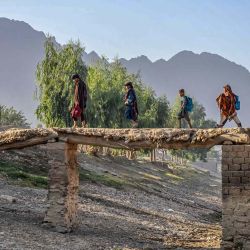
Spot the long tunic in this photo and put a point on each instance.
(131, 112)
(80, 95)
(227, 104)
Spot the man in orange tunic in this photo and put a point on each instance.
(226, 103)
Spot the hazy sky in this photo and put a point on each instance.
(129, 28)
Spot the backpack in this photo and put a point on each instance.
(237, 102)
(189, 105)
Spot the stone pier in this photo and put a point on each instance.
(63, 192)
(236, 197)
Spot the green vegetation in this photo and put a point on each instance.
(22, 175)
(105, 179)
(28, 177)
(198, 120)
(9, 116)
(105, 81)
(176, 177)
(197, 116)
(186, 175)
(55, 88)
(105, 107)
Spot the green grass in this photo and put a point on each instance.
(173, 176)
(105, 179)
(22, 175)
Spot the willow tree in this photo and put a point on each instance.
(105, 83)
(106, 105)
(54, 84)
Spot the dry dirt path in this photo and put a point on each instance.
(153, 209)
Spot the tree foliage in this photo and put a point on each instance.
(55, 87)
(106, 91)
(105, 81)
(105, 106)
(198, 120)
(11, 117)
(198, 115)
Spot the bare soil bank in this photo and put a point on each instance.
(123, 205)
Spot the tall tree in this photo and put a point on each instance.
(163, 112)
(55, 87)
(106, 89)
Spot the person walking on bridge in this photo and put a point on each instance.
(130, 100)
(80, 101)
(228, 103)
(186, 107)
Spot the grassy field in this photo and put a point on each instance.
(22, 175)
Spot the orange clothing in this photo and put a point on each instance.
(227, 104)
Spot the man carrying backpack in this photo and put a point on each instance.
(186, 106)
(228, 103)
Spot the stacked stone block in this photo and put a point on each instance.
(236, 197)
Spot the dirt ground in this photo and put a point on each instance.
(122, 205)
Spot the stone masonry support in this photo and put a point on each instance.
(236, 197)
(63, 192)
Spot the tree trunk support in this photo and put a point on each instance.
(63, 192)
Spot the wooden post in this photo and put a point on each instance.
(152, 155)
(63, 192)
(163, 156)
(131, 154)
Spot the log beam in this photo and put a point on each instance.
(155, 138)
(126, 138)
(21, 138)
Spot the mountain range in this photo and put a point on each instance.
(202, 75)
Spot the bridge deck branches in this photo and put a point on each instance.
(168, 138)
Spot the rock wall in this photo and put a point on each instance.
(236, 197)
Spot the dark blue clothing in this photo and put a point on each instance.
(131, 111)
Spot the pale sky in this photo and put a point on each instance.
(155, 28)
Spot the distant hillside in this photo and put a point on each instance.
(202, 75)
(90, 59)
(21, 48)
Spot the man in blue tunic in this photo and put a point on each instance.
(131, 112)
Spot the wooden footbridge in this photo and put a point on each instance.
(64, 178)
